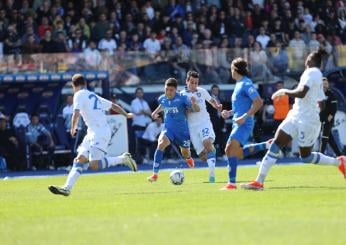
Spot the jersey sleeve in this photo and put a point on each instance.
(250, 91)
(205, 94)
(105, 104)
(77, 101)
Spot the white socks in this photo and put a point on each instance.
(113, 161)
(211, 164)
(266, 164)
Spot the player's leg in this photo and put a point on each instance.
(123, 159)
(333, 144)
(280, 141)
(239, 136)
(211, 157)
(326, 127)
(80, 163)
(252, 149)
(186, 154)
(162, 144)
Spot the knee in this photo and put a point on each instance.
(94, 165)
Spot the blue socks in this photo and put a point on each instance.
(253, 148)
(157, 160)
(232, 169)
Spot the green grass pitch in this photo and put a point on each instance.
(302, 204)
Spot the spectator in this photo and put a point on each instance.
(101, 27)
(40, 139)
(77, 43)
(217, 121)
(278, 59)
(258, 61)
(142, 117)
(108, 43)
(92, 56)
(48, 45)
(262, 37)
(297, 52)
(9, 146)
(151, 45)
(12, 44)
(327, 118)
(148, 141)
(31, 46)
(44, 27)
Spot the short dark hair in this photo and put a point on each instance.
(214, 86)
(193, 74)
(139, 89)
(78, 80)
(171, 82)
(240, 66)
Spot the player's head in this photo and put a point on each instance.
(192, 80)
(325, 84)
(78, 82)
(314, 59)
(171, 86)
(239, 68)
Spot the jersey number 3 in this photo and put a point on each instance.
(96, 100)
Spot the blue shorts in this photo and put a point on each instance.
(179, 136)
(241, 133)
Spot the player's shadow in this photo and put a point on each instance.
(146, 193)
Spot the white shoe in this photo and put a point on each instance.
(130, 162)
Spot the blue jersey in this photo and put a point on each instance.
(243, 95)
(176, 128)
(175, 110)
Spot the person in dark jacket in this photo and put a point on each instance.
(327, 118)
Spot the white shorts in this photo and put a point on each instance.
(199, 133)
(306, 130)
(94, 145)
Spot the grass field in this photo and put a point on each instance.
(302, 204)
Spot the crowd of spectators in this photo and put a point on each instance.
(158, 26)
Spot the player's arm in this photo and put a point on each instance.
(257, 103)
(298, 92)
(214, 103)
(74, 122)
(121, 111)
(194, 105)
(156, 112)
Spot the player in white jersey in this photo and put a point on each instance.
(200, 127)
(302, 122)
(91, 152)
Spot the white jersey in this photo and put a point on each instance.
(308, 107)
(92, 108)
(201, 96)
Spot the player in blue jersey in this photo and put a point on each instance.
(175, 129)
(245, 103)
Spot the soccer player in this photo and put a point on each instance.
(200, 127)
(302, 122)
(245, 103)
(174, 106)
(92, 150)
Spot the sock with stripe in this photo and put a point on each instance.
(253, 148)
(74, 174)
(321, 159)
(268, 161)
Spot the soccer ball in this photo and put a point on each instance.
(177, 177)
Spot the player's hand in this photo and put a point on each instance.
(73, 132)
(219, 107)
(193, 100)
(330, 117)
(226, 114)
(154, 116)
(129, 115)
(280, 92)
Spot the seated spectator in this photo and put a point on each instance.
(9, 146)
(108, 43)
(40, 139)
(278, 59)
(297, 52)
(92, 56)
(258, 61)
(148, 141)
